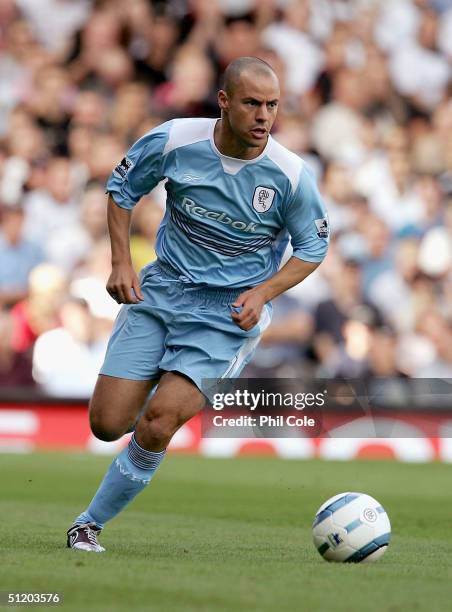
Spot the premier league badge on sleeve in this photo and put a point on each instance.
(323, 227)
(123, 168)
(263, 198)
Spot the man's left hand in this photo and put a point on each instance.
(250, 304)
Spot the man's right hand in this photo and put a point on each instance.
(123, 285)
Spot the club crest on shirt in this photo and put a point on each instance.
(263, 198)
(123, 167)
(323, 227)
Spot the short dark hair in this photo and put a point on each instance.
(234, 70)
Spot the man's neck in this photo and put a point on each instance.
(228, 144)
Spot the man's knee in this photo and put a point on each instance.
(114, 406)
(174, 403)
(106, 427)
(160, 425)
(163, 417)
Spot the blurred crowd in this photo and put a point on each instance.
(366, 101)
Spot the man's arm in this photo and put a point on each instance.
(135, 175)
(123, 277)
(307, 224)
(253, 300)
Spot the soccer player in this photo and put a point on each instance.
(234, 197)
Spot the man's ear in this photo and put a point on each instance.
(223, 100)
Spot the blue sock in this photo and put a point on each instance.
(128, 474)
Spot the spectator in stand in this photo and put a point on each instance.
(342, 324)
(434, 326)
(131, 108)
(336, 130)
(90, 279)
(18, 256)
(53, 208)
(49, 104)
(38, 312)
(292, 39)
(281, 352)
(331, 314)
(15, 366)
(418, 70)
(158, 37)
(188, 92)
(72, 244)
(379, 255)
(66, 359)
(337, 190)
(382, 357)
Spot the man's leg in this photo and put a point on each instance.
(116, 404)
(113, 410)
(176, 400)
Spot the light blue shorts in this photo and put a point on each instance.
(180, 327)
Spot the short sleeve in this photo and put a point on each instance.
(307, 220)
(140, 170)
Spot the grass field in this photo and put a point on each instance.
(224, 535)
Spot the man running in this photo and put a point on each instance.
(234, 199)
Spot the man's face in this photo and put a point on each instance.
(12, 223)
(251, 107)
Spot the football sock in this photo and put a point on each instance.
(128, 474)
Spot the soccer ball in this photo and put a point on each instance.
(351, 527)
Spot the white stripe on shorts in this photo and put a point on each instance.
(247, 347)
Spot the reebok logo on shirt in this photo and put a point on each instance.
(190, 207)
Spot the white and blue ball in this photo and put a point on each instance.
(351, 527)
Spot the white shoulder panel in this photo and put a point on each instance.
(187, 131)
(287, 161)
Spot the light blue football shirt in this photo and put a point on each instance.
(227, 221)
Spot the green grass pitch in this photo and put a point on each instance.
(217, 535)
